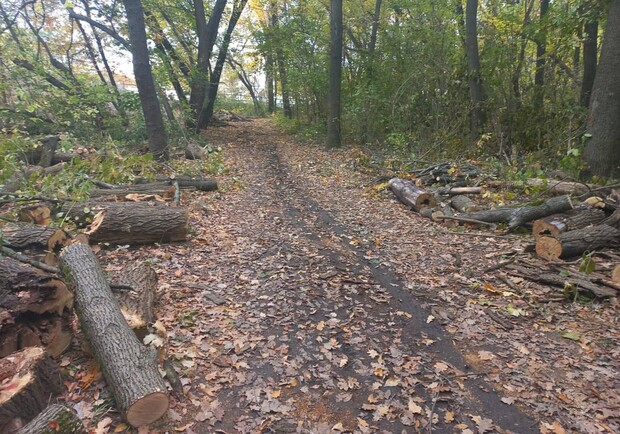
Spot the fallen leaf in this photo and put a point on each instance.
(486, 355)
(413, 407)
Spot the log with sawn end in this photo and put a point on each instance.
(24, 235)
(576, 218)
(129, 367)
(411, 195)
(574, 243)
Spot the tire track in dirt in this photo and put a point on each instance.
(346, 342)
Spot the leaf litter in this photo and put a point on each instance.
(277, 319)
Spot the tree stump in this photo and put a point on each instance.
(194, 152)
(55, 419)
(28, 380)
(130, 368)
(574, 243)
(411, 195)
(137, 223)
(558, 223)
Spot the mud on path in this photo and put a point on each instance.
(306, 302)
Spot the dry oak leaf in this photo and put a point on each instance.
(483, 425)
(486, 355)
(413, 407)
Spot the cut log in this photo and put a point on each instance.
(454, 191)
(574, 243)
(526, 214)
(550, 186)
(22, 235)
(136, 223)
(55, 419)
(161, 189)
(495, 215)
(24, 288)
(185, 182)
(48, 149)
(130, 368)
(463, 204)
(137, 304)
(412, 196)
(28, 380)
(615, 274)
(194, 152)
(556, 224)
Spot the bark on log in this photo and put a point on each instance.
(411, 195)
(186, 182)
(129, 367)
(454, 191)
(526, 214)
(23, 288)
(194, 152)
(21, 236)
(551, 186)
(575, 219)
(613, 220)
(582, 284)
(48, 149)
(29, 379)
(463, 204)
(32, 304)
(55, 419)
(574, 243)
(495, 215)
(164, 190)
(137, 223)
(137, 305)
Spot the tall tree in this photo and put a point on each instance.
(335, 74)
(155, 130)
(473, 69)
(602, 152)
(590, 58)
(541, 53)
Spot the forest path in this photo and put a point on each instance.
(294, 320)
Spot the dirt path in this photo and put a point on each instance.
(305, 303)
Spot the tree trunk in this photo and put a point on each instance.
(473, 70)
(207, 33)
(602, 151)
(590, 58)
(526, 214)
(541, 52)
(155, 130)
(209, 104)
(137, 304)
(463, 203)
(335, 74)
(130, 368)
(55, 419)
(269, 79)
(29, 380)
(411, 195)
(574, 243)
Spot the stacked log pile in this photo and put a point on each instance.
(575, 219)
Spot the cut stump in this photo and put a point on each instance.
(130, 368)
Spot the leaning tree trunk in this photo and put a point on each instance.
(155, 130)
(602, 151)
(130, 368)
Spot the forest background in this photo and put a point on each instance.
(527, 85)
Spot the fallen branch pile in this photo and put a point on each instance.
(576, 220)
